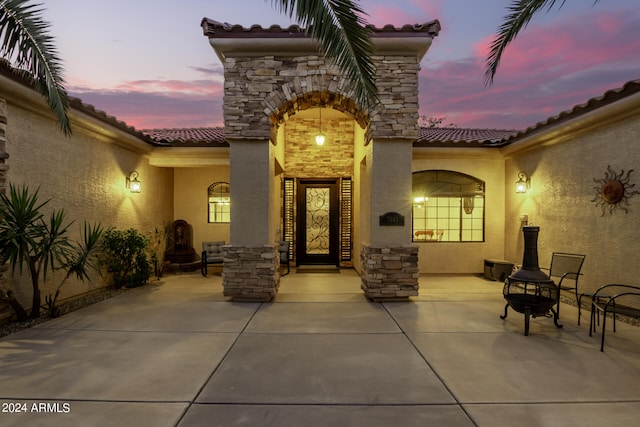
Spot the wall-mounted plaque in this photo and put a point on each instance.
(391, 219)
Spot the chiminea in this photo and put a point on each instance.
(529, 290)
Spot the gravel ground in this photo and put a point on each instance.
(64, 308)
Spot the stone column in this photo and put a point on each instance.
(3, 153)
(3, 168)
(250, 271)
(389, 261)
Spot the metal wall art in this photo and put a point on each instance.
(613, 191)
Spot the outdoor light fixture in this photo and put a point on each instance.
(523, 183)
(421, 199)
(132, 183)
(320, 136)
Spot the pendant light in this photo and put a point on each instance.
(320, 136)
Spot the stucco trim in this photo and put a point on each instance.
(189, 157)
(396, 46)
(462, 152)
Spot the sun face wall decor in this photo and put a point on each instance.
(613, 191)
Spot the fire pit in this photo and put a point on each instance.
(529, 290)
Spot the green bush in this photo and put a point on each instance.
(125, 257)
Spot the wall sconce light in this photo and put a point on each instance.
(320, 136)
(523, 183)
(132, 183)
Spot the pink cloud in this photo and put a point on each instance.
(390, 13)
(200, 87)
(547, 70)
(147, 104)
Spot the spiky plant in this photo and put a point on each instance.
(81, 258)
(42, 245)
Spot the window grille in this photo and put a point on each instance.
(219, 201)
(448, 206)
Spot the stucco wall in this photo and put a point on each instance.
(459, 257)
(390, 191)
(85, 175)
(191, 202)
(560, 202)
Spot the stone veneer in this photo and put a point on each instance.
(261, 92)
(304, 158)
(251, 273)
(389, 273)
(3, 171)
(3, 142)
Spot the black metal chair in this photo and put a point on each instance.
(565, 271)
(284, 248)
(211, 254)
(614, 299)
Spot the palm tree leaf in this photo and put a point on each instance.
(340, 28)
(25, 42)
(521, 13)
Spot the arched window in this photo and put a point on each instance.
(219, 200)
(447, 207)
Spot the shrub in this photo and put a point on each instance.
(125, 257)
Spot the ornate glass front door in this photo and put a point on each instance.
(318, 222)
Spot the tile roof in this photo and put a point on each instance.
(111, 120)
(629, 88)
(189, 137)
(24, 79)
(213, 28)
(460, 137)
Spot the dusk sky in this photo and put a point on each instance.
(147, 63)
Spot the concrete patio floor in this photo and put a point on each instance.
(177, 353)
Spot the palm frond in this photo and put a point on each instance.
(27, 44)
(340, 28)
(521, 13)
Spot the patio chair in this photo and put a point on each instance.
(283, 249)
(211, 254)
(615, 299)
(565, 271)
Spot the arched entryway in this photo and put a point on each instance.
(273, 77)
(318, 179)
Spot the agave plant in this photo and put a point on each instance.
(26, 43)
(41, 244)
(81, 258)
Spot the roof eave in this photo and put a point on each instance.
(235, 41)
(572, 126)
